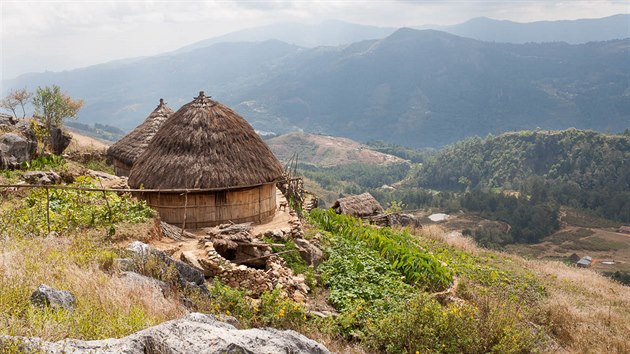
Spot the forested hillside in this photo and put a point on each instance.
(582, 169)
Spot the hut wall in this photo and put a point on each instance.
(257, 205)
(121, 168)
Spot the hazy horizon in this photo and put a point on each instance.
(42, 36)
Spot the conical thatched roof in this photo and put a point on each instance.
(133, 144)
(362, 205)
(205, 144)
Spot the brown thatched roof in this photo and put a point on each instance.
(205, 144)
(133, 144)
(362, 205)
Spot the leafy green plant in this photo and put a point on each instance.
(71, 209)
(290, 255)
(416, 265)
(53, 162)
(361, 284)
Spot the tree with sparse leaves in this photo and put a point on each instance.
(14, 99)
(53, 106)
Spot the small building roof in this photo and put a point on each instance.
(133, 144)
(362, 205)
(205, 144)
(583, 262)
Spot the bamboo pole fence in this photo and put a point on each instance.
(183, 191)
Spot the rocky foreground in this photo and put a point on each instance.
(195, 333)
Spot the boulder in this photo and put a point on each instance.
(45, 296)
(59, 140)
(195, 333)
(14, 149)
(186, 274)
(42, 177)
(309, 252)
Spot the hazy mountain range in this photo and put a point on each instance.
(413, 87)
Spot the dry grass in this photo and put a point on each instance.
(588, 312)
(585, 311)
(107, 305)
(453, 239)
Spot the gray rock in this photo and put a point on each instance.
(45, 296)
(278, 235)
(59, 140)
(42, 177)
(195, 333)
(404, 220)
(309, 252)
(14, 149)
(188, 277)
(124, 264)
(6, 120)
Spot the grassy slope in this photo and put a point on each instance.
(581, 311)
(325, 151)
(586, 312)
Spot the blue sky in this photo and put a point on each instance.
(60, 35)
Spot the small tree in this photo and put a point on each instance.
(19, 97)
(23, 97)
(10, 104)
(53, 106)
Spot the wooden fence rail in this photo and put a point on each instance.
(184, 191)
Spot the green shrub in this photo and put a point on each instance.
(423, 325)
(279, 312)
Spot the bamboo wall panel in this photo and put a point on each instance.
(257, 205)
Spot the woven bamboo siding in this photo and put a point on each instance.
(121, 168)
(257, 205)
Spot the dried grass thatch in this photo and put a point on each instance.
(205, 144)
(133, 144)
(362, 206)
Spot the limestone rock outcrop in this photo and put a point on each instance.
(195, 333)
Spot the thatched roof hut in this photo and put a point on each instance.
(206, 145)
(126, 150)
(362, 206)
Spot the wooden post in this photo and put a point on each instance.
(109, 209)
(185, 211)
(259, 207)
(48, 209)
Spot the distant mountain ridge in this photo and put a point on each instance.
(326, 33)
(414, 88)
(570, 31)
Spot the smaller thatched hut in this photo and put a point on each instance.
(126, 150)
(362, 206)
